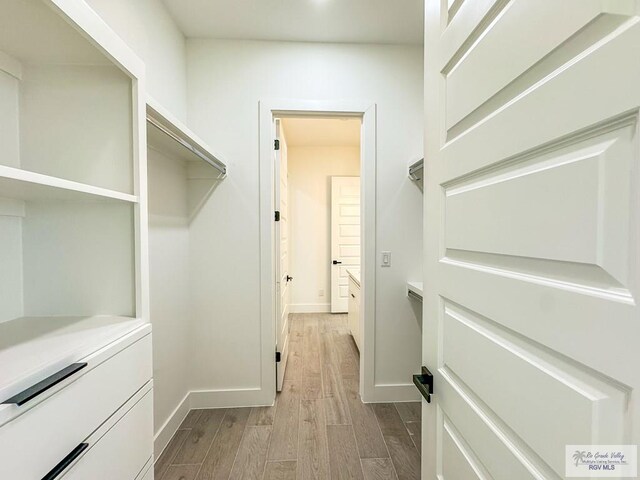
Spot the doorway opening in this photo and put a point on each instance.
(318, 252)
(317, 245)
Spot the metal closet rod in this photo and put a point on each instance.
(215, 163)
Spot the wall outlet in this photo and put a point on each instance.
(386, 259)
(321, 293)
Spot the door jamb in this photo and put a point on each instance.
(368, 159)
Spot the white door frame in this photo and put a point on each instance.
(269, 109)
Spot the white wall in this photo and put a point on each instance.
(310, 172)
(169, 282)
(226, 80)
(149, 30)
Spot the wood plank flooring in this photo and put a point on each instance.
(318, 428)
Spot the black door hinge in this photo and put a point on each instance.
(277, 216)
(276, 144)
(278, 357)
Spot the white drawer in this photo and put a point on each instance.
(354, 289)
(34, 442)
(354, 311)
(122, 452)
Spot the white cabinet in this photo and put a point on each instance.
(42, 424)
(75, 344)
(124, 449)
(70, 157)
(354, 308)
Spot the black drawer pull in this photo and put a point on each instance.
(44, 385)
(424, 382)
(66, 461)
(353, 295)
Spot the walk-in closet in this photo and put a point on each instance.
(75, 346)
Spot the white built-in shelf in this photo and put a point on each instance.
(355, 274)
(416, 170)
(33, 348)
(24, 185)
(168, 135)
(414, 290)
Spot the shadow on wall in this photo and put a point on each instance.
(201, 187)
(416, 308)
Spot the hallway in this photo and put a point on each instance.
(318, 428)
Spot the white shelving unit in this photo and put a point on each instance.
(416, 170)
(414, 290)
(70, 156)
(183, 173)
(168, 135)
(73, 234)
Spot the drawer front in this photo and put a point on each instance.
(34, 442)
(123, 452)
(354, 311)
(354, 290)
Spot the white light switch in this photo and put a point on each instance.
(386, 259)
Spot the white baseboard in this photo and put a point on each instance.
(310, 308)
(250, 397)
(395, 393)
(166, 431)
(199, 399)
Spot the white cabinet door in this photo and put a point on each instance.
(531, 323)
(354, 311)
(345, 237)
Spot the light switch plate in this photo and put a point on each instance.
(386, 259)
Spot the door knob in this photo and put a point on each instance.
(288, 278)
(336, 262)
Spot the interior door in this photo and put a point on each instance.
(345, 238)
(531, 323)
(283, 277)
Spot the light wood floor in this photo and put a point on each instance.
(318, 428)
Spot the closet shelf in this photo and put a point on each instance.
(414, 290)
(24, 185)
(416, 169)
(170, 136)
(33, 348)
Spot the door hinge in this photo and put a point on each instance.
(277, 216)
(278, 357)
(276, 144)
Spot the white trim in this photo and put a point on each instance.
(284, 107)
(310, 308)
(368, 234)
(170, 427)
(90, 25)
(405, 392)
(229, 398)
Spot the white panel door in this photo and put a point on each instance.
(531, 325)
(283, 278)
(345, 238)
